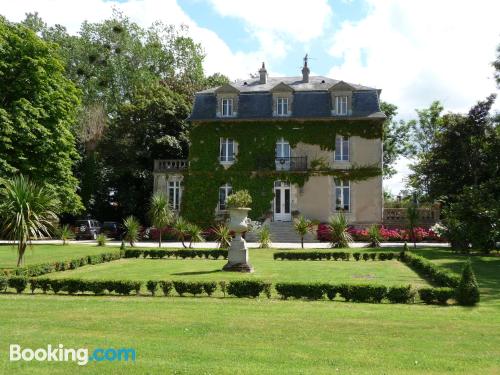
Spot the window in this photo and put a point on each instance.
(174, 194)
(342, 195)
(282, 149)
(227, 107)
(282, 106)
(226, 150)
(341, 148)
(224, 191)
(341, 105)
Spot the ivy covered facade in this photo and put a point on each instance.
(300, 145)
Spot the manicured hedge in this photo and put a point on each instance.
(332, 255)
(74, 286)
(248, 288)
(373, 293)
(34, 270)
(19, 283)
(182, 254)
(436, 296)
(430, 271)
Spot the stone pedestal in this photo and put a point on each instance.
(237, 258)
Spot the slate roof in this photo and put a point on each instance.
(311, 100)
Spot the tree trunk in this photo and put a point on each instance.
(302, 241)
(159, 243)
(21, 248)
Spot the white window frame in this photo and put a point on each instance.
(281, 106)
(282, 142)
(227, 108)
(224, 155)
(228, 190)
(174, 200)
(339, 154)
(341, 187)
(341, 105)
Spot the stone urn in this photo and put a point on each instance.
(237, 258)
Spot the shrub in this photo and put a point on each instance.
(72, 286)
(33, 285)
(96, 286)
(356, 256)
(302, 226)
(239, 199)
(166, 287)
(436, 295)
(152, 285)
(373, 256)
(223, 287)
(210, 287)
(3, 282)
(245, 288)
(331, 291)
(43, 284)
(468, 290)
(427, 295)
(133, 253)
(400, 294)
(374, 236)
(56, 285)
(125, 287)
(429, 270)
(65, 233)
(102, 239)
(367, 293)
(300, 290)
(340, 236)
(19, 283)
(222, 236)
(182, 287)
(195, 234)
(366, 256)
(345, 291)
(264, 236)
(132, 228)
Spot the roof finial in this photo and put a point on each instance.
(305, 60)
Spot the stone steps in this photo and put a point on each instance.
(282, 232)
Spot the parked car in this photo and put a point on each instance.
(87, 229)
(113, 229)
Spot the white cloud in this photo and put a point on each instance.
(420, 51)
(219, 57)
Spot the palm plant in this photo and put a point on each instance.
(132, 228)
(222, 236)
(27, 211)
(265, 237)
(374, 236)
(302, 226)
(181, 228)
(338, 226)
(412, 217)
(194, 233)
(65, 233)
(101, 239)
(159, 212)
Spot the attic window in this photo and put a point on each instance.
(245, 83)
(322, 81)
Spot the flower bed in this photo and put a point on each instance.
(388, 234)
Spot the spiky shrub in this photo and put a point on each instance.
(302, 226)
(374, 236)
(195, 234)
(102, 239)
(468, 290)
(222, 236)
(239, 199)
(264, 237)
(181, 230)
(132, 227)
(338, 226)
(65, 233)
(159, 212)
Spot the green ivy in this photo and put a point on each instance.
(254, 168)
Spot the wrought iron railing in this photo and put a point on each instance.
(171, 165)
(292, 163)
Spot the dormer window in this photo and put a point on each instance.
(227, 107)
(341, 105)
(282, 106)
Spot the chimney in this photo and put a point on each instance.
(263, 74)
(305, 71)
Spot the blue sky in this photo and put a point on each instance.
(416, 51)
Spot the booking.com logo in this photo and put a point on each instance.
(61, 354)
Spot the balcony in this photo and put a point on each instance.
(292, 163)
(170, 165)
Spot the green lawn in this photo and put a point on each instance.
(202, 335)
(48, 253)
(266, 268)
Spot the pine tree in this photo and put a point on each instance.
(468, 290)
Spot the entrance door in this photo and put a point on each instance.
(282, 210)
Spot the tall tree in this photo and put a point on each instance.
(38, 108)
(395, 140)
(496, 65)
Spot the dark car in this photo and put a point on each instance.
(113, 229)
(87, 229)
